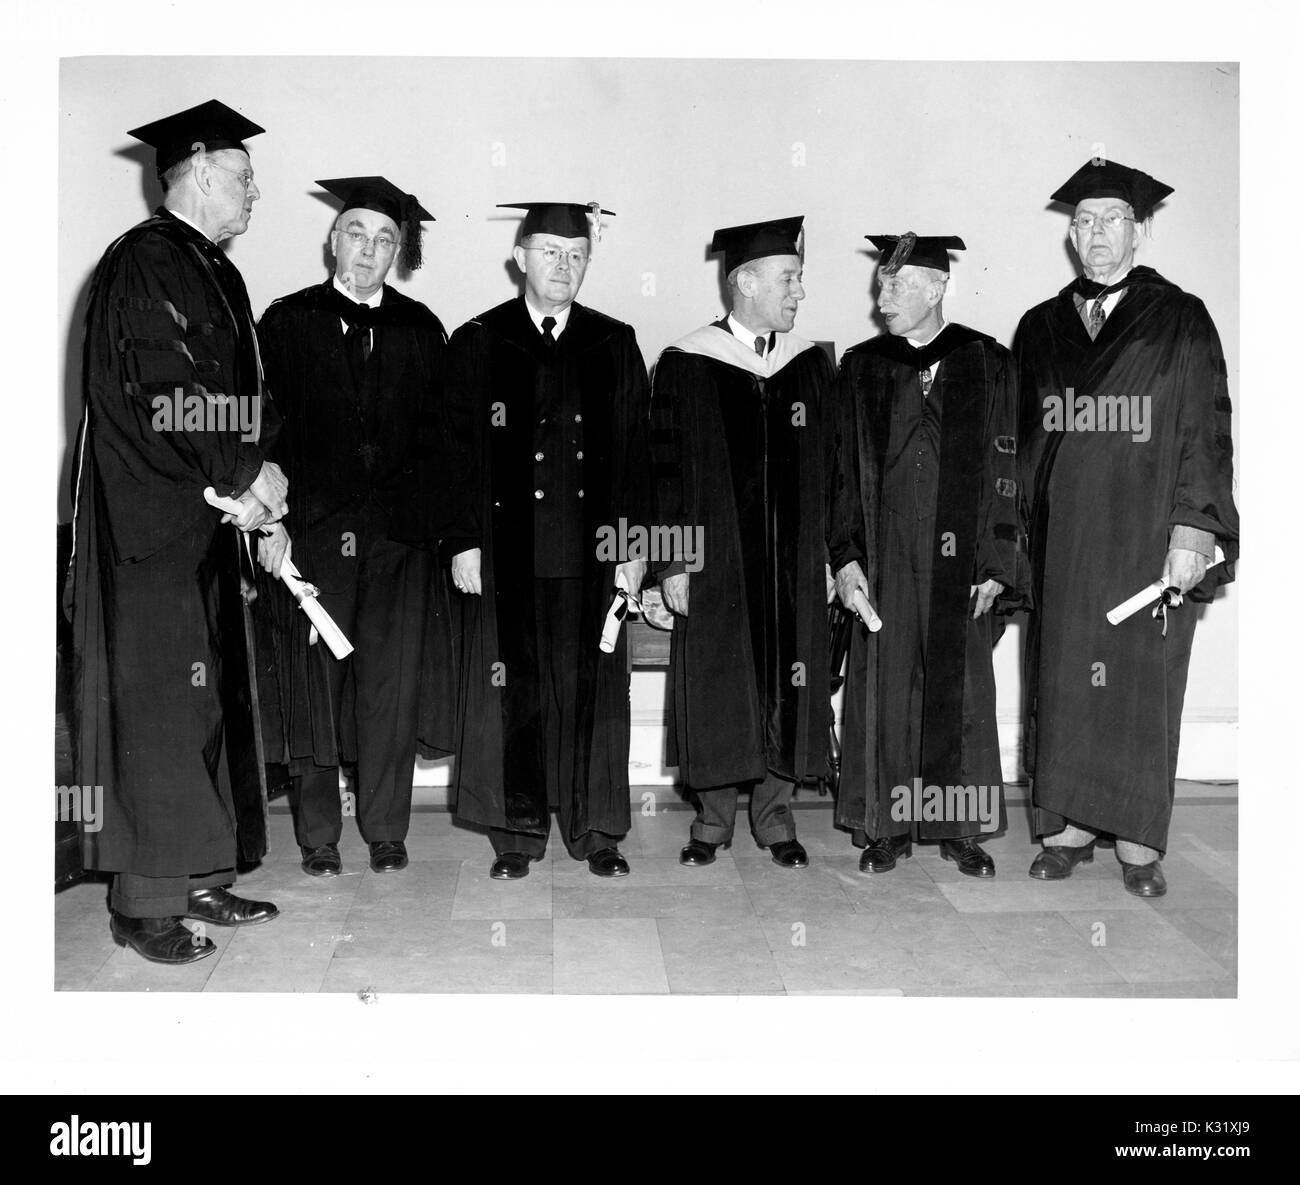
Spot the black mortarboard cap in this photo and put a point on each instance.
(382, 196)
(1108, 178)
(212, 124)
(757, 240)
(568, 220)
(919, 250)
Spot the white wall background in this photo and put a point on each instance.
(677, 148)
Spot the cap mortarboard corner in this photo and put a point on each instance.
(931, 251)
(381, 195)
(757, 240)
(1100, 178)
(212, 125)
(565, 220)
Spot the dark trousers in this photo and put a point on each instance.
(559, 616)
(137, 896)
(903, 597)
(769, 812)
(383, 615)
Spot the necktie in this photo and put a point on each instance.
(548, 324)
(760, 346)
(362, 345)
(1094, 290)
(927, 381)
(359, 318)
(1096, 318)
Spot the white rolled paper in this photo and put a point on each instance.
(1149, 595)
(623, 601)
(866, 614)
(614, 621)
(292, 580)
(305, 595)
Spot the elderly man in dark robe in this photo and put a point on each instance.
(356, 369)
(164, 699)
(925, 526)
(547, 401)
(1127, 465)
(741, 462)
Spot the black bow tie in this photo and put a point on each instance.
(1091, 289)
(353, 313)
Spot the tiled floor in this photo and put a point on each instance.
(740, 926)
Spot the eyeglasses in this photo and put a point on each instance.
(243, 176)
(383, 243)
(551, 255)
(893, 286)
(1110, 220)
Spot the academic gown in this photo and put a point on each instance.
(1105, 702)
(162, 695)
(743, 456)
(925, 498)
(527, 422)
(360, 450)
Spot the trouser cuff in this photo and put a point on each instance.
(711, 832)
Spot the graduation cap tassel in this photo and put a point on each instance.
(413, 245)
(902, 253)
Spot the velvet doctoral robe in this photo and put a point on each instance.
(925, 498)
(741, 459)
(504, 392)
(163, 702)
(1124, 438)
(360, 451)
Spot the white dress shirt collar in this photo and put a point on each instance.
(561, 318)
(177, 214)
(745, 336)
(374, 300)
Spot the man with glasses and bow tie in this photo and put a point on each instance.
(1115, 503)
(548, 402)
(925, 523)
(358, 368)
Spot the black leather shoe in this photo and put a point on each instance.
(1144, 880)
(608, 862)
(160, 940)
(970, 858)
(699, 852)
(322, 861)
(510, 866)
(387, 855)
(222, 908)
(1055, 864)
(883, 854)
(788, 853)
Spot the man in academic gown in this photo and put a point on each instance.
(165, 713)
(925, 525)
(548, 402)
(740, 454)
(356, 368)
(1127, 463)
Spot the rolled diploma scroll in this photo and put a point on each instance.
(862, 607)
(302, 592)
(1150, 594)
(617, 612)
